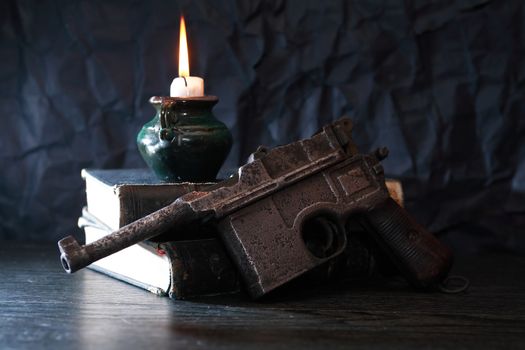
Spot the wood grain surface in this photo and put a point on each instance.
(43, 307)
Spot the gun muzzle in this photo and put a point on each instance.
(72, 255)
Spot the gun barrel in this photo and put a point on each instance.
(74, 256)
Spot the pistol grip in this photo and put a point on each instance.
(419, 256)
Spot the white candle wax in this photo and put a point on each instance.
(187, 87)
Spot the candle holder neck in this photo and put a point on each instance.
(172, 110)
(184, 104)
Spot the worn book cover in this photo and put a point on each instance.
(120, 196)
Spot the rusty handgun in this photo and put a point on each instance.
(284, 213)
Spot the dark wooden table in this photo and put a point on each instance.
(42, 307)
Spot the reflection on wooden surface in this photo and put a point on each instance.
(42, 307)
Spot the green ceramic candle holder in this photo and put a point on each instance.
(184, 141)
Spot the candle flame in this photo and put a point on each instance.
(184, 64)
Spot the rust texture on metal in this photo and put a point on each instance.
(285, 212)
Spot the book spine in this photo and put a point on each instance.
(137, 201)
(200, 267)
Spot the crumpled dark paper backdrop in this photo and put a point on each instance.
(440, 83)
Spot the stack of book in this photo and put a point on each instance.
(183, 268)
(180, 269)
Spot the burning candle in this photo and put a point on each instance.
(185, 85)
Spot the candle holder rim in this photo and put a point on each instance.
(161, 99)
